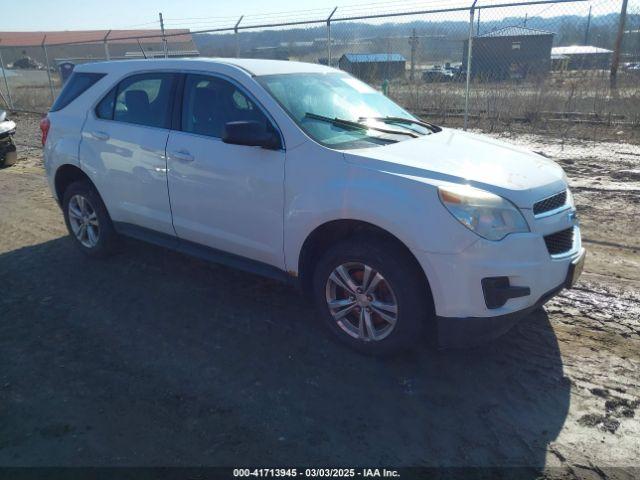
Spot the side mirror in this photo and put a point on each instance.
(251, 134)
(3, 115)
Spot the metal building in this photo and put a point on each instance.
(373, 66)
(583, 57)
(510, 53)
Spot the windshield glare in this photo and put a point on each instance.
(336, 95)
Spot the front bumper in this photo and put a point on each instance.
(456, 281)
(469, 331)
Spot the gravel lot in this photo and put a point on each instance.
(154, 358)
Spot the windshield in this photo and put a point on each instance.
(340, 111)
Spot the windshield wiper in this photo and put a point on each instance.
(357, 125)
(428, 126)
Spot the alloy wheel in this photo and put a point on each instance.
(84, 221)
(361, 301)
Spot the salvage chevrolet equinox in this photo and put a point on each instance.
(395, 227)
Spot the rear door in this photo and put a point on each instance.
(123, 150)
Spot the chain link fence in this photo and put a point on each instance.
(487, 62)
(34, 72)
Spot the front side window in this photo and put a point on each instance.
(141, 99)
(209, 103)
(75, 86)
(334, 109)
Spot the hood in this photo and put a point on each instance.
(455, 156)
(7, 126)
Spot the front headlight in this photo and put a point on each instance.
(484, 213)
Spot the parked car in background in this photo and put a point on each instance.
(632, 67)
(438, 74)
(394, 226)
(8, 154)
(27, 63)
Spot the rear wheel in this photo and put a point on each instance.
(371, 295)
(87, 219)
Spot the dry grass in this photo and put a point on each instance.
(564, 104)
(35, 98)
(564, 100)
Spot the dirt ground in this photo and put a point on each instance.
(154, 358)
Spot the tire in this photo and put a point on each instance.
(402, 285)
(8, 154)
(102, 242)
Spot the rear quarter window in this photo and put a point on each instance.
(75, 86)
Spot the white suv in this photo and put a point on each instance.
(301, 172)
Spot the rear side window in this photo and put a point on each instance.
(144, 100)
(75, 86)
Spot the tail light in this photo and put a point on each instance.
(45, 124)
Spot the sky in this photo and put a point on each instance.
(35, 15)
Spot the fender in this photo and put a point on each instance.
(404, 206)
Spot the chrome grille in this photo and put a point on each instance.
(559, 242)
(550, 203)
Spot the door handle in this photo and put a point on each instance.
(183, 156)
(100, 135)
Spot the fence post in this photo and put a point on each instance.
(6, 83)
(413, 43)
(164, 38)
(616, 49)
(106, 46)
(469, 53)
(586, 31)
(46, 60)
(235, 31)
(329, 36)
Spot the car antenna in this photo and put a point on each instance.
(141, 49)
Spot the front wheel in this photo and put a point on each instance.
(371, 295)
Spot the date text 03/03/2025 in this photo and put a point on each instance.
(316, 472)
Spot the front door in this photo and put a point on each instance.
(228, 197)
